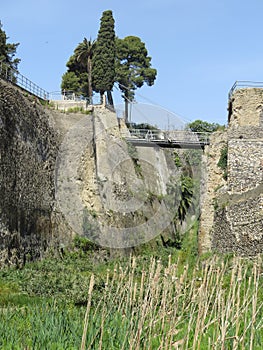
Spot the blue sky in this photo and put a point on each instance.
(199, 47)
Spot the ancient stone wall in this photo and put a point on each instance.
(245, 164)
(235, 222)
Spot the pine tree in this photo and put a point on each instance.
(133, 67)
(103, 72)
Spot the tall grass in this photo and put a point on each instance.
(217, 304)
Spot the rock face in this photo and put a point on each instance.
(120, 187)
(232, 209)
(28, 146)
(66, 174)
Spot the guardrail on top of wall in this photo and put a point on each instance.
(244, 84)
(10, 74)
(69, 95)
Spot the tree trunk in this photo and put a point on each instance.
(101, 97)
(110, 99)
(126, 111)
(90, 91)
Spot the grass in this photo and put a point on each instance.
(170, 300)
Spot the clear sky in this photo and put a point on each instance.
(199, 47)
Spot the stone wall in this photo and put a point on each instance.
(212, 181)
(232, 214)
(245, 107)
(245, 164)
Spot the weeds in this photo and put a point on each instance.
(170, 299)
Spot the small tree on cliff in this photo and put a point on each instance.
(7, 50)
(103, 72)
(133, 67)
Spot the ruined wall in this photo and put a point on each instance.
(235, 222)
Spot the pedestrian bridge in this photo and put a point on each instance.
(168, 139)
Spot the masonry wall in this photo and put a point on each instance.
(236, 205)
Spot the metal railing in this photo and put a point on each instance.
(182, 136)
(13, 76)
(242, 84)
(69, 95)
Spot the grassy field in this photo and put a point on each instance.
(169, 300)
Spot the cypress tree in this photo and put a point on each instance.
(103, 70)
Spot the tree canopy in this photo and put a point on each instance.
(133, 67)
(203, 126)
(97, 65)
(103, 74)
(78, 76)
(7, 50)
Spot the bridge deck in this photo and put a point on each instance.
(166, 143)
(168, 139)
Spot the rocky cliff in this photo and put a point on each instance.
(28, 147)
(66, 174)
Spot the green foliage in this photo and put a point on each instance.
(78, 110)
(222, 163)
(133, 67)
(150, 301)
(46, 325)
(181, 195)
(103, 71)
(187, 191)
(7, 50)
(143, 126)
(177, 160)
(97, 65)
(203, 126)
(83, 244)
(70, 81)
(78, 76)
(7, 60)
(84, 53)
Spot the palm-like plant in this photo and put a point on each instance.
(186, 197)
(84, 53)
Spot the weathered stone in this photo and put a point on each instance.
(232, 215)
(28, 148)
(118, 191)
